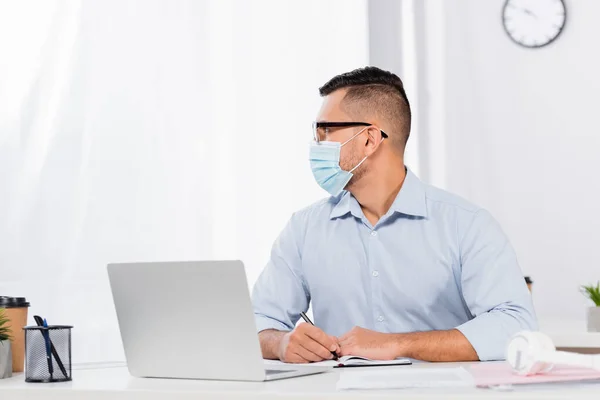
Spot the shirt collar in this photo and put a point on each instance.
(346, 203)
(410, 200)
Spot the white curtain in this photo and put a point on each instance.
(154, 130)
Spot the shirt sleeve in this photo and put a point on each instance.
(280, 294)
(493, 288)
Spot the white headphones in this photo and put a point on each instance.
(530, 353)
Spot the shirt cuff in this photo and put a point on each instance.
(263, 323)
(489, 335)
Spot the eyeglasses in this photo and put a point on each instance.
(321, 129)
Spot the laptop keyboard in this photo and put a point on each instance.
(275, 371)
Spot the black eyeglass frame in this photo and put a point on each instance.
(317, 125)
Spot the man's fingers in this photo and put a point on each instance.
(345, 339)
(345, 351)
(316, 348)
(307, 354)
(295, 353)
(335, 340)
(346, 346)
(303, 345)
(321, 337)
(297, 358)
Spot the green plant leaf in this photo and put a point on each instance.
(592, 292)
(4, 329)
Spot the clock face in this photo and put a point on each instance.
(534, 23)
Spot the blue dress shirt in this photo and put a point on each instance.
(432, 262)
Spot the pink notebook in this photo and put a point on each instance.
(494, 374)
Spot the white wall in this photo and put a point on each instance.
(521, 135)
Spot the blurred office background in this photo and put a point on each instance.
(145, 130)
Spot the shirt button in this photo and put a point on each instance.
(380, 318)
(375, 273)
(373, 233)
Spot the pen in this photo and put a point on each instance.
(307, 320)
(40, 322)
(48, 351)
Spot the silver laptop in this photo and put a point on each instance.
(190, 320)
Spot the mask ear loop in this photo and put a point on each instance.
(363, 160)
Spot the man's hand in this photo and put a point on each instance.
(366, 343)
(307, 343)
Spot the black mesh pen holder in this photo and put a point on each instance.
(48, 353)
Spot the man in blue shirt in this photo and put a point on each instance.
(393, 267)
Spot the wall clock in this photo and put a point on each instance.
(534, 23)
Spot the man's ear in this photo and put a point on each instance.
(374, 139)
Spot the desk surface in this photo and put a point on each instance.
(116, 384)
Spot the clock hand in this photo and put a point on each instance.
(529, 12)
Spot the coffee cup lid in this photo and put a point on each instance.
(13, 302)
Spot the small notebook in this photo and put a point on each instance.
(356, 361)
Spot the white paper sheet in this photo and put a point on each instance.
(401, 378)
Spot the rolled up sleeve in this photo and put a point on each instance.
(493, 288)
(280, 295)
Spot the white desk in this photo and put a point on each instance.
(117, 384)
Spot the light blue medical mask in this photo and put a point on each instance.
(325, 165)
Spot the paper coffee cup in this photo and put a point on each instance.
(16, 311)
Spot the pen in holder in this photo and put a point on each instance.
(48, 353)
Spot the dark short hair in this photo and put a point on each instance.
(373, 90)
